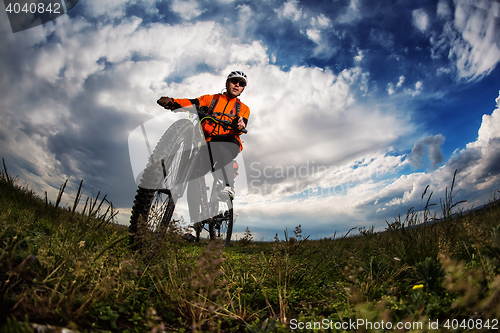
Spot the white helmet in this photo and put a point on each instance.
(237, 74)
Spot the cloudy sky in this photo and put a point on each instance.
(356, 106)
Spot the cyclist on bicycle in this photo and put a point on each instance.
(224, 144)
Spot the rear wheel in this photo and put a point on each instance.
(219, 223)
(220, 226)
(224, 221)
(154, 201)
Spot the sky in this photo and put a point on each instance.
(356, 106)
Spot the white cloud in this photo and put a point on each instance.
(314, 35)
(321, 21)
(420, 19)
(490, 127)
(246, 21)
(474, 36)
(391, 88)
(311, 24)
(315, 112)
(254, 53)
(416, 90)
(315, 31)
(401, 81)
(480, 160)
(291, 11)
(359, 57)
(105, 9)
(443, 9)
(187, 9)
(352, 13)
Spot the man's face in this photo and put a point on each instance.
(235, 86)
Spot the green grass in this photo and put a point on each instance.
(75, 270)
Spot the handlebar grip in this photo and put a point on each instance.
(170, 105)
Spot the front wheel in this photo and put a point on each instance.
(154, 202)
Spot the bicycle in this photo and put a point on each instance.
(165, 180)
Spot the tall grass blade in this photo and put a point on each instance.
(77, 198)
(6, 173)
(60, 194)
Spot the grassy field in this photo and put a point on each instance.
(64, 269)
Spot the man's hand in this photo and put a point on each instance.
(241, 124)
(166, 102)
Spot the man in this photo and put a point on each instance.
(224, 144)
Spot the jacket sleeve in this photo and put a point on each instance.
(200, 101)
(185, 102)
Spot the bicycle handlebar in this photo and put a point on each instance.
(201, 110)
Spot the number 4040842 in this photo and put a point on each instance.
(471, 324)
(34, 8)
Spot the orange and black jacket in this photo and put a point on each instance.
(225, 109)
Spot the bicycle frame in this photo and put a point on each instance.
(199, 144)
